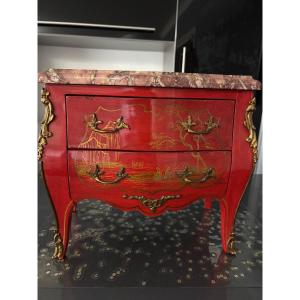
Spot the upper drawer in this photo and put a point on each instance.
(96, 122)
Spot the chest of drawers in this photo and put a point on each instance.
(146, 141)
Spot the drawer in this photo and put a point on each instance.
(148, 181)
(147, 124)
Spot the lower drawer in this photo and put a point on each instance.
(150, 182)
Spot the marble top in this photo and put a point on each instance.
(149, 79)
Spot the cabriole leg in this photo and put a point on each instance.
(52, 152)
(227, 222)
(244, 156)
(61, 236)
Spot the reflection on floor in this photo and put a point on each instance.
(111, 248)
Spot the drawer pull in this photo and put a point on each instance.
(98, 172)
(210, 125)
(153, 204)
(186, 173)
(119, 125)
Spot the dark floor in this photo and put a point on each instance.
(124, 255)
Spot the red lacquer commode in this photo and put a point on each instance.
(146, 141)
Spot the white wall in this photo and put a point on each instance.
(105, 59)
(87, 52)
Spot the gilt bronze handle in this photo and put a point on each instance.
(153, 204)
(119, 124)
(98, 173)
(186, 173)
(210, 124)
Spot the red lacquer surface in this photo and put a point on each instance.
(65, 170)
(155, 123)
(241, 168)
(55, 166)
(150, 174)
